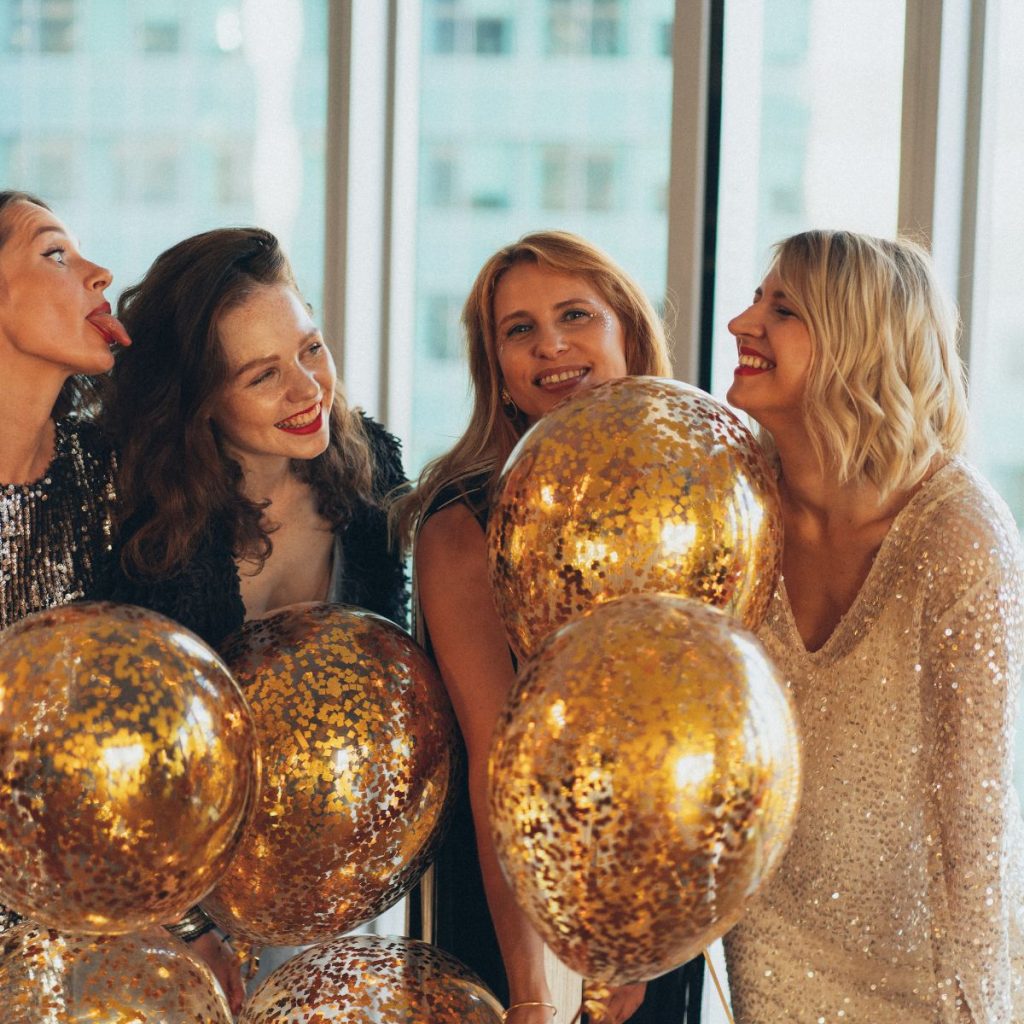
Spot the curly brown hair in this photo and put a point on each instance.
(176, 479)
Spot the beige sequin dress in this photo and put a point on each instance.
(901, 898)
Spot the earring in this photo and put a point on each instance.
(508, 403)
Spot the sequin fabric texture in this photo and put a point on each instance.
(55, 532)
(901, 897)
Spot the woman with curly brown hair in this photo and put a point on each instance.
(246, 481)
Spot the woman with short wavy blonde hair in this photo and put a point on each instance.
(898, 626)
(885, 393)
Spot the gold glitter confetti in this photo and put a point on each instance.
(644, 780)
(357, 741)
(145, 978)
(639, 485)
(370, 979)
(127, 768)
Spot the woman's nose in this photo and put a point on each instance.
(303, 384)
(98, 278)
(746, 322)
(549, 341)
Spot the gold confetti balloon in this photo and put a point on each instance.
(357, 742)
(644, 781)
(368, 979)
(639, 485)
(144, 978)
(128, 765)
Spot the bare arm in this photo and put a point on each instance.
(472, 655)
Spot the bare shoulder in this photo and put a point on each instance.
(451, 536)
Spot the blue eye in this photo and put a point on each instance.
(56, 254)
(577, 314)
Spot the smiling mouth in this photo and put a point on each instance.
(752, 362)
(557, 377)
(306, 422)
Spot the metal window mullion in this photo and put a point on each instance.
(691, 35)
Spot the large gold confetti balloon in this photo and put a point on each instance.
(644, 781)
(357, 741)
(144, 978)
(371, 979)
(639, 485)
(128, 765)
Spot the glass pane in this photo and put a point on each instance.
(145, 121)
(997, 334)
(811, 107)
(534, 114)
(997, 328)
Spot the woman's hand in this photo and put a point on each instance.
(221, 959)
(622, 1003)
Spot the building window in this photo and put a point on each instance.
(233, 173)
(452, 29)
(575, 180)
(147, 170)
(162, 36)
(440, 177)
(46, 26)
(443, 327)
(592, 28)
(44, 165)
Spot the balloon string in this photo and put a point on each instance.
(718, 986)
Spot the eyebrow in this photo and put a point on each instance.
(47, 229)
(777, 294)
(268, 360)
(557, 305)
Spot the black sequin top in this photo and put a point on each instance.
(55, 534)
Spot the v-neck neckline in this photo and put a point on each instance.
(854, 615)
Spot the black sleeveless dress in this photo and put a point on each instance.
(461, 918)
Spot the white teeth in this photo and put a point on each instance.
(300, 421)
(558, 378)
(756, 362)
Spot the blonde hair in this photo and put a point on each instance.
(491, 434)
(885, 391)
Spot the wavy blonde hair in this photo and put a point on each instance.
(491, 434)
(886, 390)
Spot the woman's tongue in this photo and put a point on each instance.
(110, 327)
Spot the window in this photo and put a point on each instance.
(794, 155)
(586, 28)
(46, 26)
(542, 144)
(163, 139)
(47, 162)
(453, 28)
(162, 36)
(997, 328)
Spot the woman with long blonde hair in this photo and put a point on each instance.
(548, 316)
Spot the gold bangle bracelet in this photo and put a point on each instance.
(529, 1002)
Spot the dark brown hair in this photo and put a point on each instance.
(176, 479)
(80, 394)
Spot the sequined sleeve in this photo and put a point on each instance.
(973, 616)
